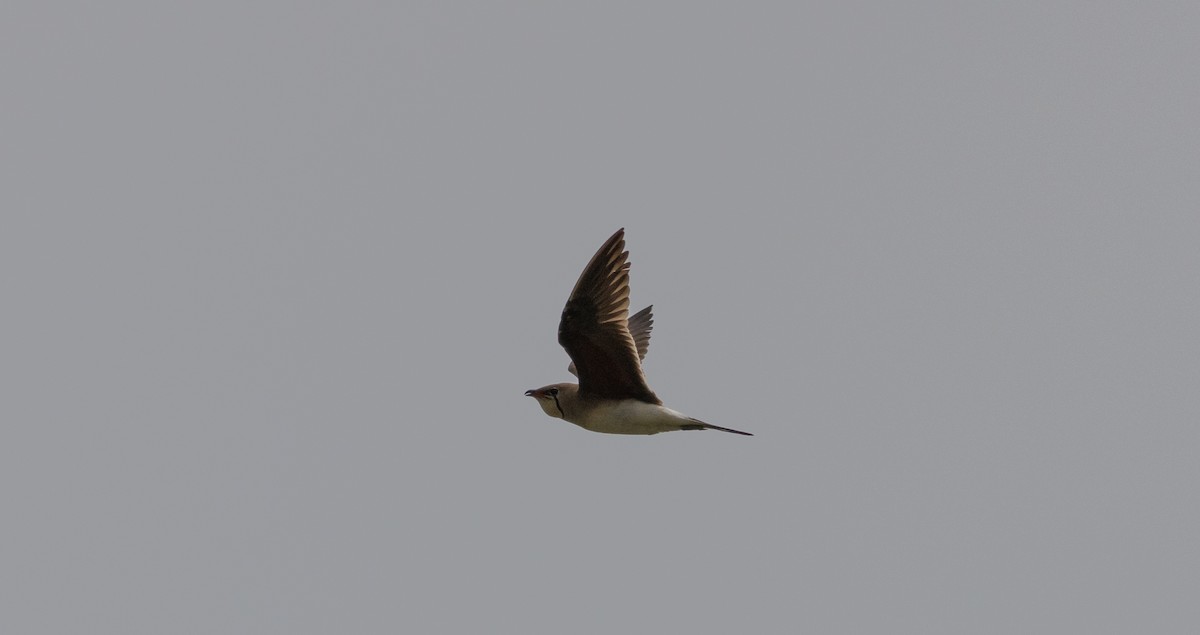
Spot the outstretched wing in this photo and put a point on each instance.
(594, 328)
(640, 324)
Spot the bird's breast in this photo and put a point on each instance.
(628, 416)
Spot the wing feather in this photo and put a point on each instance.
(595, 332)
(640, 324)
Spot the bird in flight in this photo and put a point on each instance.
(606, 346)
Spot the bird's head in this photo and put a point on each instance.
(554, 398)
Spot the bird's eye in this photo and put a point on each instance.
(553, 391)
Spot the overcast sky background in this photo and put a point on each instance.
(276, 275)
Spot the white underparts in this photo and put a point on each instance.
(630, 417)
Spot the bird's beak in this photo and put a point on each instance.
(531, 393)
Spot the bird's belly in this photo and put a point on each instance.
(631, 417)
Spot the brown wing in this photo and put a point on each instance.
(595, 332)
(640, 324)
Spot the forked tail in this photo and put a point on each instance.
(700, 425)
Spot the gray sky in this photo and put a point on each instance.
(276, 275)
